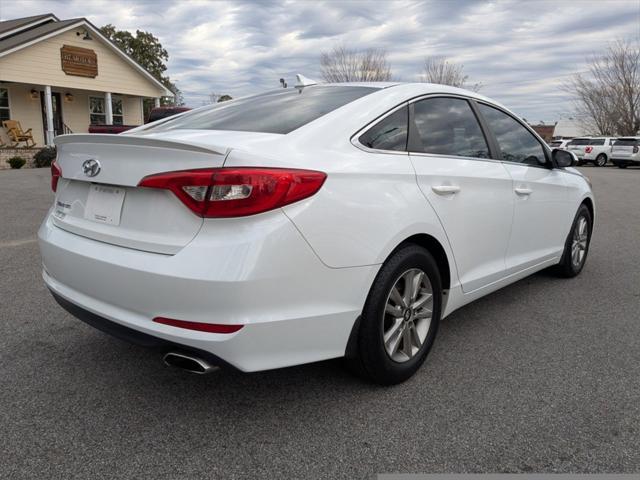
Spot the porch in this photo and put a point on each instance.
(51, 111)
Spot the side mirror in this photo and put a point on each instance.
(564, 158)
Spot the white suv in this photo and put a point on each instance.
(560, 144)
(577, 146)
(598, 151)
(625, 152)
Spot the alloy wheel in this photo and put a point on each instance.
(407, 315)
(579, 244)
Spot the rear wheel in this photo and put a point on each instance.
(621, 165)
(601, 160)
(400, 317)
(577, 244)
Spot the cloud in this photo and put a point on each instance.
(520, 52)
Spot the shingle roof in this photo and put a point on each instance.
(8, 25)
(33, 33)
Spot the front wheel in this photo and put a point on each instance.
(577, 244)
(601, 160)
(400, 317)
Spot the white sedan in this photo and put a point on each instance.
(309, 223)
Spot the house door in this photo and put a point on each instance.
(56, 105)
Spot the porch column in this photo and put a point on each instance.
(48, 110)
(156, 102)
(108, 110)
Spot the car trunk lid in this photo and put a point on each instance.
(98, 197)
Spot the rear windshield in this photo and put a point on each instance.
(278, 111)
(579, 141)
(627, 142)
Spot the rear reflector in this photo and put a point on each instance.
(56, 173)
(201, 327)
(237, 192)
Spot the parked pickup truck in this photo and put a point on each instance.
(110, 128)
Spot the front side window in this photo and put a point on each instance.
(279, 111)
(516, 143)
(448, 126)
(388, 134)
(5, 114)
(98, 114)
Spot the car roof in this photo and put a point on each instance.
(417, 88)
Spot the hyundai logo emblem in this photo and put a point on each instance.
(91, 167)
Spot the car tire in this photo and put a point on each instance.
(620, 165)
(411, 274)
(601, 160)
(577, 244)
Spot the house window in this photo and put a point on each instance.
(5, 114)
(98, 112)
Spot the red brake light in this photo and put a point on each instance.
(56, 173)
(201, 327)
(237, 192)
(588, 150)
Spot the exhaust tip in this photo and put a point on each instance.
(189, 363)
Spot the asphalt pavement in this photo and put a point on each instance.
(542, 376)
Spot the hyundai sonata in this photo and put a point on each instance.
(308, 223)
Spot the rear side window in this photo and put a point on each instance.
(388, 134)
(448, 126)
(516, 143)
(626, 142)
(279, 111)
(597, 141)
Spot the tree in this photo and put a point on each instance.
(607, 97)
(440, 70)
(217, 98)
(342, 64)
(149, 53)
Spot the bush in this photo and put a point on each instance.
(44, 157)
(16, 162)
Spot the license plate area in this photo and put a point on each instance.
(104, 204)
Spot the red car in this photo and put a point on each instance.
(155, 114)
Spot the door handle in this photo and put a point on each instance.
(523, 191)
(445, 189)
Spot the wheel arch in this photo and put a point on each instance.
(588, 202)
(436, 249)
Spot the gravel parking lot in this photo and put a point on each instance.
(542, 376)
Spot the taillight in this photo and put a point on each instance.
(56, 173)
(588, 150)
(199, 326)
(237, 192)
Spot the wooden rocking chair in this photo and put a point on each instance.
(17, 135)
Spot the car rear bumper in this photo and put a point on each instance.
(259, 273)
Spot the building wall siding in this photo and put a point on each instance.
(40, 64)
(26, 110)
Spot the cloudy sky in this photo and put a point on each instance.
(521, 51)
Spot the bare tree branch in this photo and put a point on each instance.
(607, 99)
(342, 64)
(440, 70)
